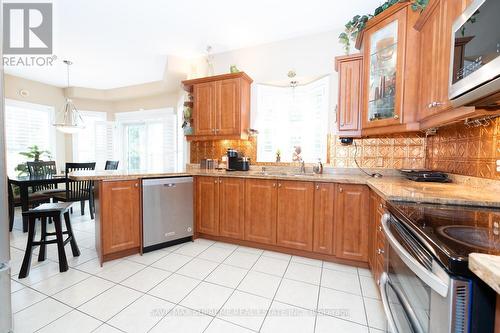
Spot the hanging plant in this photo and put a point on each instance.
(358, 22)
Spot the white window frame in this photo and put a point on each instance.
(259, 117)
(39, 107)
(75, 136)
(141, 117)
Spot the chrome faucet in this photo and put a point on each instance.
(302, 166)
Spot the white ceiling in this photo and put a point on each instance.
(125, 42)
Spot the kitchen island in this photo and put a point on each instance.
(302, 213)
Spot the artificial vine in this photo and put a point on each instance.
(358, 22)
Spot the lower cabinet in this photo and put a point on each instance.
(295, 215)
(231, 207)
(207, 205)
(351, 222)
(324, 203)
(261, 200)
(118, 218)
(322, 218)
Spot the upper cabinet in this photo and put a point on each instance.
(350, 69)
(221, 106)
(435, 27)
(390, 71)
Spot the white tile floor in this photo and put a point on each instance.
(203, 286)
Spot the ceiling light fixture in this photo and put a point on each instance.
(72, 119)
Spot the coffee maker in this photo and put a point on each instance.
(235, 162)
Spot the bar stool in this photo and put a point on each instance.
(54, 211)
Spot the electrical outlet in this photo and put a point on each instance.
(498, 165)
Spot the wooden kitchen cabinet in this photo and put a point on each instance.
(351, 222)
(295, 215)
(376, 256)
(231, 207)
(118, 218)
(205, 106)
(324, 205)
(435, 27)
(207, 205)
(221, 106)
(261, 196)
(350, 97)
(390, 46)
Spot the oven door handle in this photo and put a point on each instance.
(384, 280)
(432, 280)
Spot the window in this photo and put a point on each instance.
(287, 117)
(85, 141)
(150, 140)
(27, 124)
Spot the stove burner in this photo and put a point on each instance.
(478, 237)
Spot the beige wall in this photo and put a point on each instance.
(45, 94)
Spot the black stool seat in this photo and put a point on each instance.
(42, 212)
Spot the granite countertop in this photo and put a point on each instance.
(487, 267)
(389, 187)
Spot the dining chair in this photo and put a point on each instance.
(77, 190)
(43, 169)
(111, 165)
(14, 201)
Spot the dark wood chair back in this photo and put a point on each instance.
(78, 190)
(111, 165)
(42, 169)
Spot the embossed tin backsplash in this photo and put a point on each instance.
(395, 152)
(466, 151)
(455, 149)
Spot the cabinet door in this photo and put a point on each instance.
(204, 95)
(384, 71)
(351, 222)
(430, 63)
(260, 210)
(324, 199)
(121, 214)
(372, 235)
(228, 111)
(350, 71)
(231, 207)
(295, 215)
(207, 205)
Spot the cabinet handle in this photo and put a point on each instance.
(380, 205)
(380, 251)
(341, 189)
(434, 104)
(279, 185)
(341, 124)
(215, 181)
(379, 228)
(220, 181)
(396, 116)
(136, 185)
(317, 187)
(274, 184)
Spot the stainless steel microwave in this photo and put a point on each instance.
(475, 55)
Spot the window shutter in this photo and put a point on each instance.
(105, 142)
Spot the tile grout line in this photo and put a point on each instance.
(319, 292)
(234, 289)
(274, 296)
(178, 303)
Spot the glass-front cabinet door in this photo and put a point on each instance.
(383, 72)
(383, 62)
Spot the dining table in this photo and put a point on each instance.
(26, 182)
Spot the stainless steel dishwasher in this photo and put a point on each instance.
(167, 212)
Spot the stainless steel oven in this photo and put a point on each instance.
(418, 294)
(475, 55)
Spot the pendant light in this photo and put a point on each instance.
(72, 120)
